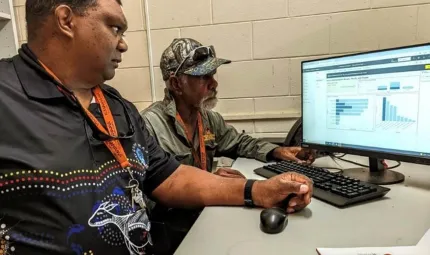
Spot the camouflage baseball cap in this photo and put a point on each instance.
(191, 57)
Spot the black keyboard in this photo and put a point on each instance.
(335, 189)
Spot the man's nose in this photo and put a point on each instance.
(122, 45)
(214, 84)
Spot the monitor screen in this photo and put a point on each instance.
(375, 102)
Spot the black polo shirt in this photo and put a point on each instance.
(61, 190)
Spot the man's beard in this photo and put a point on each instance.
(210, 102)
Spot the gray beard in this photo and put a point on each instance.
(209, 104)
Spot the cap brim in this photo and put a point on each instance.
(207, 67)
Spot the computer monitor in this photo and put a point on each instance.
(374, 104)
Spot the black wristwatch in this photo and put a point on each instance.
(248, 193)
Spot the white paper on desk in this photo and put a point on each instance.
(400, 250)
(425, 240)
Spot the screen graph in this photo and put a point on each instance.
(389, 113)
(393, 84)
(347, 113)
(397, 113)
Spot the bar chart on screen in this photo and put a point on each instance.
(351, 113)
(397, 112)
(381, 84)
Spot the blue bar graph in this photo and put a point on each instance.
(389, 113)
(350, 107)
(384, 110)
(394, 85)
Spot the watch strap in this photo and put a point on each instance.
(249, 202)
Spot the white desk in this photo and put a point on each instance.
(401, 218)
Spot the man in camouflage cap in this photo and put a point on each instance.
(188, 70)
(184, 125)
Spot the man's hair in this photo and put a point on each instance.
(38, 10)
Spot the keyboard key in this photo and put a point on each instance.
(318, 185)
(335, 190)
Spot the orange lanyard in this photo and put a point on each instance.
(202, 160)
(113, 145)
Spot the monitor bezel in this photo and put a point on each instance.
(361, 152)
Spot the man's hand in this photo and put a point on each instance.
(297, 154)
(270, 193)
(229, 173)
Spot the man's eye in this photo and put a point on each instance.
(118, 31)
(115, 29)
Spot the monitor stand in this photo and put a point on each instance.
(375, 174)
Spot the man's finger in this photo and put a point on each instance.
(293, 186)
(290, 154)
(233, 172)
(237, 173)
(294, 149)
(231, 175)
(295, 209)
(308, 197)
(314, 153)
(292, 157)
(312, 157)
(240, 176)
(297, 201)
(299, 178)
(229, 170)
(297, 205)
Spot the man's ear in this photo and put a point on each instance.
(65, 19)
(175, 85)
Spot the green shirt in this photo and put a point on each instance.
(221, 139)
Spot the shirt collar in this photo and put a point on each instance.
(170, 104)
(39, 85)
(35, 81)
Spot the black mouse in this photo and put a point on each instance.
(274, 220)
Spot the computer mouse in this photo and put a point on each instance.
(273, 220)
